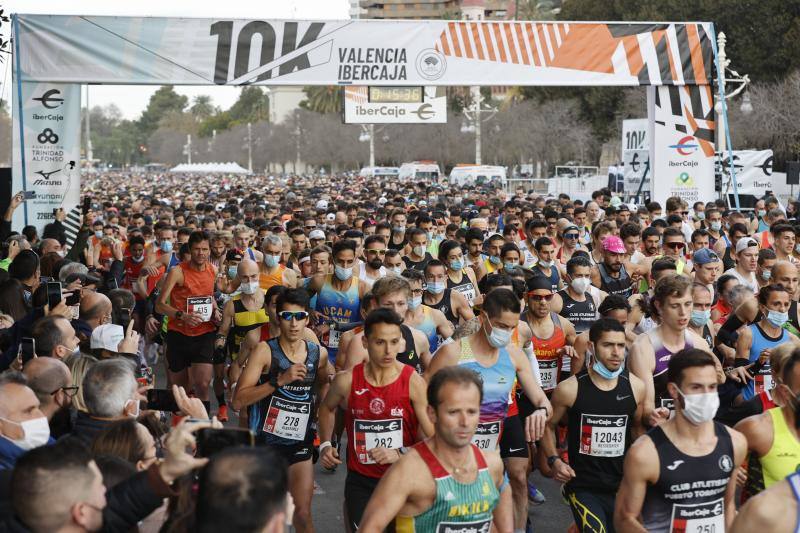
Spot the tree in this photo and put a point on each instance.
(164, 100)
(322, 99)
(251, 106)
(202, 108)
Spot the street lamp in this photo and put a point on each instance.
(474, 114)
(368, 135)
(728, 76)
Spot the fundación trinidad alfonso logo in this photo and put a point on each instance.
(684, 180)
(686, 146)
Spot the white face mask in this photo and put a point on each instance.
(700, 408)
(35, 433)
(580, 285)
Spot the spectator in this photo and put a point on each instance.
(54, 336)
(110, 393)
(12, 299)
(23, 426)
(128, 440)
(51, 381)
(79, 364)
(25, 269)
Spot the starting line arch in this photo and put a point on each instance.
(55, 54)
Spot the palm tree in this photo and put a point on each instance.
(322, 99)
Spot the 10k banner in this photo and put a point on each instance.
(51, 132)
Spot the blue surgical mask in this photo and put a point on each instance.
(166, 246)
(603, 372)
(343, 273)
(414, 302)
(429, 234)
(494, 260)
(398, 270)
(98, 234)
(762, 213)
(545, 264)
(399, 229)
(716, 225)
(231, 272)
(499, 338)
(272, 260)
(436, 287)
(458, 264)
(700, 318)
(776, 318)
(701, 215)
(766, 274)
(509, 266)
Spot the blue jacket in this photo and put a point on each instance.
(9, 453)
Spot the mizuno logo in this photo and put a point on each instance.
(360, 392)
(675, 464)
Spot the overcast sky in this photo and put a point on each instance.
(131, 99)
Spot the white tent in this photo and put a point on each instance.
(217, 168)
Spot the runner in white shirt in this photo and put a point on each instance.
(746, 263)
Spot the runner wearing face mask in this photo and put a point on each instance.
(757, 339)
(603, 405)
(428, 320)
(459, 278)
(439, 296)
(338, 297)
(575, 302)
(244, 312)
(679, 477)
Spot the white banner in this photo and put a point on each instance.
(131, 50)
(682, 149)
(395, 105)
(753, 171)
(50, 170)
(635, 154)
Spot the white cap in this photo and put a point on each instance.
(107, 337)
(317, 234)
(330, 217)
(382, 200)
(322, 204)
(744, 243)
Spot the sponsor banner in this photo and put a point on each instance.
(682, 147)
(132, 50)
(753, 170)
(635, 154)
(46, 161)
(362, 107)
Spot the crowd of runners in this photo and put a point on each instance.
(438, 343)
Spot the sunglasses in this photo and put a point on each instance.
(570, 235)
(675, 245)
(540, 297)
(296, 315)
(376, 251)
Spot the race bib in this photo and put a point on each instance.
(479, 526)
(200, 305)
(371, 434)
(699, 518)
(487, 435)
(287, 419)
(331, 339)
(763, 380)
(603, 435)
(468, 291)
(548, 369)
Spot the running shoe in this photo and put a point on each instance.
(222, 413)
(535, 496)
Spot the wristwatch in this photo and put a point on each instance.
(178, 315)
(552, 460)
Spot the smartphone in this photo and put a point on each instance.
(74, 298)
(53, 294)
(162, 400)
(122, 317)
(211, 441)
(27, 349)
(29, 195)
